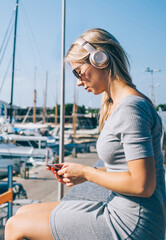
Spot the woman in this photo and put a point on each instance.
(129, 144)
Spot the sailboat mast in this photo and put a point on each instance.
(74, 114)
(56, 105)
(13, 65)
(34, 109)
(45, 99)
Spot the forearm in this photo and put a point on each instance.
(139, 180)
(120, 182)
(101, 168)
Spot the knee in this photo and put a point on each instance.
(9, 223)
(10, 228)
(22, 209)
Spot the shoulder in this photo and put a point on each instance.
(134, 110)
(134, 100)
(136, 104)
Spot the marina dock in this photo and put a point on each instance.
(42, 186)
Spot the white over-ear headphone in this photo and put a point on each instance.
(98, 58)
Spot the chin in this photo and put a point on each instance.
(96, 92)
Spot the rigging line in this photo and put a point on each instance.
(33, 36)
(4, 78)
(6, 45)
(29, 39)
(3, 42)
(21, 62)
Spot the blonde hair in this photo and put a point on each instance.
(118, 62)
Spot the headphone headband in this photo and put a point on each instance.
(86, 45)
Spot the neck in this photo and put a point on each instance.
(117, 91)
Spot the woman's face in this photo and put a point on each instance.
(93, 79)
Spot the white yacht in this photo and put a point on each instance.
(41, 146)
(17, 149)
(10, 154)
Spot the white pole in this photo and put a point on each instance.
(152, 95)
(62, 112)
(152, 88)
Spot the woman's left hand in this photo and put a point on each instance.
(72, 174)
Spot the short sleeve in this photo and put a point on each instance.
(135, 130)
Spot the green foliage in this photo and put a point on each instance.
(162, 106)
(53, 110)
(81, 109)
(93, 110)
(69, 110)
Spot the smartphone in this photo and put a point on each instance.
(56, 168)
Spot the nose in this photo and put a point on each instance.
(80, 83)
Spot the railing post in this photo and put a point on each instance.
(10, 186)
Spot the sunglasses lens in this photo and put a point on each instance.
(76, 74)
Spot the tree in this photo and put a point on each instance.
(162, 106)
(68, 109)
(53, 110)
(81, 109)
(94, 110)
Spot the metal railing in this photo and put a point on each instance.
(8, 195)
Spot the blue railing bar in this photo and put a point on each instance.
(10, 185)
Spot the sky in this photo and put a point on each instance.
(139, 26)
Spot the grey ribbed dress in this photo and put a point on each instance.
(132, 131)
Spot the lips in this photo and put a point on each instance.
(87, 89)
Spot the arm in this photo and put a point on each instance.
(139, 181)
(101, 168)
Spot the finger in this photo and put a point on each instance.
(66, 180)
(69, 184)
(48, 168)
(65, 165)
(57, 176)
(61, 181)
(62, 171)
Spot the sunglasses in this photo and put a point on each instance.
(76, 74)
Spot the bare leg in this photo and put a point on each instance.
(35, 207)
(31, 222)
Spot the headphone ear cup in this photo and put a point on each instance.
(99, 59)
